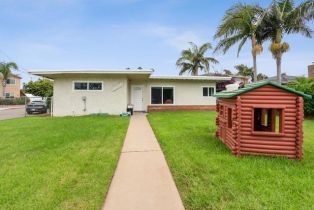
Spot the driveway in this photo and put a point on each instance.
(10, 113)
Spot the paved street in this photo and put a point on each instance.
(12, 113)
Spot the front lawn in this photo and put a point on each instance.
(58, 163)
(209, 177)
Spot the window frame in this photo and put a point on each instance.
(269, 133)
(11, 80)
(162, 95)
(11, 95)
(79, 81)
(208, 91)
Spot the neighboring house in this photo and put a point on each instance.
(105, 91)
(311, 71)
(220, 86)
(13, 86)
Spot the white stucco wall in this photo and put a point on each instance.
(186, 92)
(116, 94)
(112, 99)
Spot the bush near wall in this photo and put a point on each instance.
(13, 101)
(305, 85)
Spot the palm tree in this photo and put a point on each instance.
(6, 71)
(284, 18)
(244, 70)
(241, 23)
(261, 76)
(193, 59)
(227, 72)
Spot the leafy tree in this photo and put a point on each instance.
(227, 72)
(244, 70)
(6, 71)
(241, 23)
(42, 87)
(261, 76)
(193, 59)
(283, 17)
(305, 85)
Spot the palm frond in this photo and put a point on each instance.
(241, 45)
(226, 43)
(205, 47)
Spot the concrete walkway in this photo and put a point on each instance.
(142, 180)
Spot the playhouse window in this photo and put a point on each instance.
(221, 110)
(268, 120)
(229, 118)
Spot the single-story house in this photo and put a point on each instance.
(110, 91)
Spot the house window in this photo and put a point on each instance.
(229, 118)
(208, 91)
(95, 86)
(9, 95)
(268, 120)
(162, 95)
(10, 81)
(88, 85)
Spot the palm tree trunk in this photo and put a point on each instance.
(254, 68)
(279, 55)
(195, 71)
(278, 63)
(254, 59)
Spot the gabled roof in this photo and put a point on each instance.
(252, 86)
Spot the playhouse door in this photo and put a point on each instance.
(223, 131)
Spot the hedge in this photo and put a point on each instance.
(13, 101)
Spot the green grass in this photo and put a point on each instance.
(209, 177)
(58, 163)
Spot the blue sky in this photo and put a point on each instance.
(115, 34)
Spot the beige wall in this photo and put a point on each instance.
(12, 88)
(116, 94)
(112, 99)
(186, 92)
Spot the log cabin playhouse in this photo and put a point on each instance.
(262, 118)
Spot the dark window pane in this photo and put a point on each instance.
(10, 81)
(80, 85)
(156, 95)
(95, 86)
(211, 91)
(168, 95)
(205, 91)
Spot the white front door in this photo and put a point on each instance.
(137, 97)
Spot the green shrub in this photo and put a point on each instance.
(305, 85)
(13, 101)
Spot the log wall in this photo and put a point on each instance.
(242, 139)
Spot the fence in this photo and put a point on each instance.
(26, 106)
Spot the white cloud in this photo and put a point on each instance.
(174, 37)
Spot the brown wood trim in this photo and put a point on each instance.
(158, 108)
